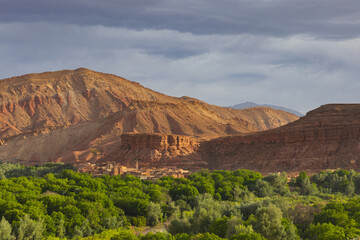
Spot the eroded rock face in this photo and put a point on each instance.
(158, 141)
(159, 150)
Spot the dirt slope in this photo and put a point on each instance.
(79, 115)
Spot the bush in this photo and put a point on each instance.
(156, 236)
(180, 225)
(138, 221)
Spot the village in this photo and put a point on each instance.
(144, 173)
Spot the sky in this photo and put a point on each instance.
(294, 53)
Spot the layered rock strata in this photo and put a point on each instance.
(159, 150)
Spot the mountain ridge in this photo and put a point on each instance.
(252, 104)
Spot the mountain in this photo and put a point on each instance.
(81, 115)
(326, 138)
(251, 104)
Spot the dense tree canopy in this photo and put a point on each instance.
(53, 201)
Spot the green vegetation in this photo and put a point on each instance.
(54, 201)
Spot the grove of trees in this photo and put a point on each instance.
(53, 201)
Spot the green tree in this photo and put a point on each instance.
(14, 215)
(86, 228)
(61, 229)
(183, 205)
(203, 185)
(226, 190)
(336, 217)
(183, 191)
(124, 236)
(248, 236)
(30, 229)
(350, 188)
(325, 231)
(234, 226)
(156, 236)
(6, 230)
(77, 232)
(263, 188)
(170, 209)
(154, 214)
(270, 224)
(132, 206)
(299, 180)
(219, 227)
(182, 236)
(217, 177)
(278, 183)
(206, 236)
(206, 211)
(308, 188)
(155, 193)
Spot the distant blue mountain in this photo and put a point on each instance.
(251, 104)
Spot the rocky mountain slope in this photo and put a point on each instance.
(80, 115)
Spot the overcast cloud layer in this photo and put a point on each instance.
(298, 54)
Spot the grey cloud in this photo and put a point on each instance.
(301, 72)
(322, 18)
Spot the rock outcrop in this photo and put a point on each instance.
(159, 150)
